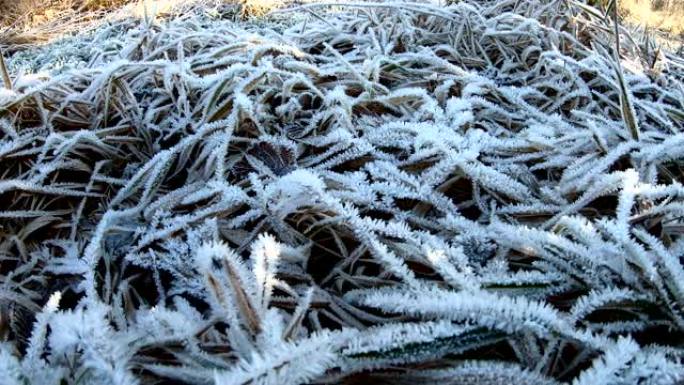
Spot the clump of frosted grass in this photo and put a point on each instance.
(397, 192)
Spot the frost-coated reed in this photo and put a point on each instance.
(487, 192)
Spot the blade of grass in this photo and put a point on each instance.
(626, 105)
(5, 74)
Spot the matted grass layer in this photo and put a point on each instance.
(405, 193)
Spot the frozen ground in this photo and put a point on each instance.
(403, 193)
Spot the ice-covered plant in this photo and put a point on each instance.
(483, 192)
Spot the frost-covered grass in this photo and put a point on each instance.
(376, 193)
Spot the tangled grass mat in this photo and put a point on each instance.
(390, 193)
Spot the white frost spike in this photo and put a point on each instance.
(606, 369)
(489, 310)
(265, 257)
(52, 304)
(290, 363)
(10, 367)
